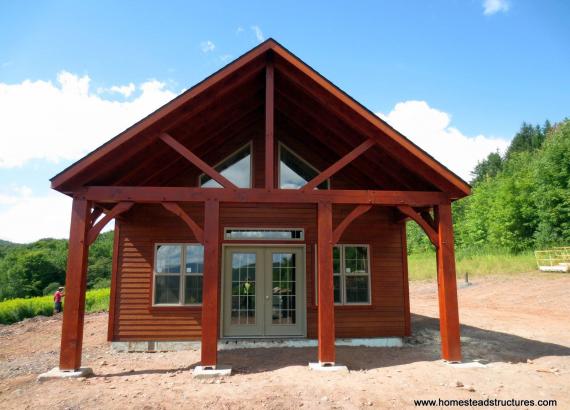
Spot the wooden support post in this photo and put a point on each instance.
(210, 304)
(75, 287)
(269, 125)
(326, 328)
(447, 286)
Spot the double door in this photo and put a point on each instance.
(264, 291)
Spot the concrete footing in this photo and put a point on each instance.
(56, 373)
(206, 372)
(328, 367)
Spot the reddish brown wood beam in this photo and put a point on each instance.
(178, 211)
(117, 210)
(210, 303)
(406, 289)
(269, 124)
(428, 229)
(114, 283)
(337, 166)
(95, 214)
(355, 213)
(75, 287)
(447, 286)
(195, 160)
(182, 194)
(325, 325)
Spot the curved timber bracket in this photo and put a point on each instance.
(178, 211)
(97, 227)
(355, 213)
(423, 221)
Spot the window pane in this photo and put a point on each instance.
(336, 283)
(356, 259)
(193, 289)
(356, 289)
(236, 168)
(167, 289)
(336, 259)
(281, 234)
(294, 172)
(168, 259)
(195, 259)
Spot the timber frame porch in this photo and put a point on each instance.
(95, 205)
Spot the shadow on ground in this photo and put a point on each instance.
(477, 344)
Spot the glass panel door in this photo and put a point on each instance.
(242, 298)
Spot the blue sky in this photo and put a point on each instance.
(476, 68)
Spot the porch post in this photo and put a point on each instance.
(447, 286)
(326, 329)
(75, 287)
(210, 299)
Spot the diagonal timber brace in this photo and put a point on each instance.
(178, 211)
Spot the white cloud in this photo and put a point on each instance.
(494, 6)
(258, 33)
(124, 90)
(431, 129)
(207, 46)
(239, 30)
(65, 120)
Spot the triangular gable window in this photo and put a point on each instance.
(236, 168)
(294, 171)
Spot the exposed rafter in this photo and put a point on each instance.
(337, 166)
(178, 211)
(355, 213)
(424, 224)
(116, 211)
(195, 160)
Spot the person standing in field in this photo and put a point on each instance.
(57, 298)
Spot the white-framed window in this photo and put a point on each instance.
(236, 167)
(351, 275)
(294, 171)
(178, 274)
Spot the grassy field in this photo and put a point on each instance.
(422, 266)
(14, 310)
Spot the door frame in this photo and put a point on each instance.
(302, 295)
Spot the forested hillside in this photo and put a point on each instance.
(520, 200)
(39, 268)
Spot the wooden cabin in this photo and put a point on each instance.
(263, 202)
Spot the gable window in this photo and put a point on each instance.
(178, 273)
(236, 168)
(351, 275)
(294, 171)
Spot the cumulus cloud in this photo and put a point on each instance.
(495, 6)
(26, 218)
(258, 33)
(431, 129)
(65, 120)
(207, 46)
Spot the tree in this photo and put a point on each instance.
(488, 168)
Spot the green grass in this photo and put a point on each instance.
(422, 266)
(14, 310)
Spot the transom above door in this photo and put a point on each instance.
(264, 291)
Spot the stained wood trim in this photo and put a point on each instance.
(337, 166)
(178, 211)
(117, 210)
(114, 283)
(183, 194)
(269, 124)
(195, 160)
(428, 229)
(325, 286)
(94, 215)
(355, 213)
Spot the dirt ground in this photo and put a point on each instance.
(518, 326)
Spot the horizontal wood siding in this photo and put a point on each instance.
(134, 317)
